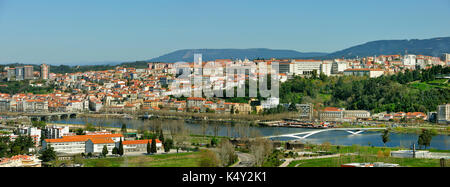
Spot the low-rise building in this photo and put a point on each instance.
(82, 143)
(138, 146)
(95, 145)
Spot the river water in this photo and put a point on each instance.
(441, 142)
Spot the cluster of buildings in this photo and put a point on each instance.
(368, 66)
(37, 134)
(153, 88)
(341, 114)
(27, 72)
(21, 161)
(65, 142)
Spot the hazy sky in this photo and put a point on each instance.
(71, 31)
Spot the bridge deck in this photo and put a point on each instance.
(310, 133)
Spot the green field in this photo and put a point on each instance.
(169, 160)
(438, 83)
(338, 161)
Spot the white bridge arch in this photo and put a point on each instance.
(304, 135)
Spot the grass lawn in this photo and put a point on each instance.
(362, 150)
(169, 160)
(438, 83)
(338, 161)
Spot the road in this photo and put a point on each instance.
(245, 160)
(289, 160)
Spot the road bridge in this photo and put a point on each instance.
(50, 116)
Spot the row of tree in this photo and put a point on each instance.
(424, 139)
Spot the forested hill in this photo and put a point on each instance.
(413, 91)
(428, 47)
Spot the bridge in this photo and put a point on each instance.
(304, 135)
(50, 116)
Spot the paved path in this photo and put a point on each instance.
(245, 160)
(289, 160)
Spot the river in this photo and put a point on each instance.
(441, 142)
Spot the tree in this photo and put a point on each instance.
(168, 144)
(120, 148)
(105, 151)
(226, 153)
(161, 136)
(385, 137)
(124, 128)
(79, 131)
(425, 138)
(149, 150)
(153, 146)
(90, 127)
(21, 145)
(208, 158)
(292, 108)
(115, 151)
(260, 148)
(214, 142)
(48, 155)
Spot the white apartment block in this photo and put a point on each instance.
(326, 68)
(306, 67)
(409, 60)
(339, 67)
(55, 132)
(95, 145)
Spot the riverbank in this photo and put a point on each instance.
(359, 154)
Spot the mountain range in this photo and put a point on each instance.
(428, 47)
(187, 55)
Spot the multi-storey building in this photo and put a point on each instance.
(28, 72)
(306, 67)
(443, 114)
(45, 71)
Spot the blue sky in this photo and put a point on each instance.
(73, 31)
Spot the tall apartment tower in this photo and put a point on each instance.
(443, 114)
(198, 59)
(11, 73)
(28, 72)
(45, 71)
(198, 64)
(19, 74)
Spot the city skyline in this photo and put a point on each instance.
(73, 32)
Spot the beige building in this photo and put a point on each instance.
(138, 146)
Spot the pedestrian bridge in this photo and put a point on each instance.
(304, 135)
